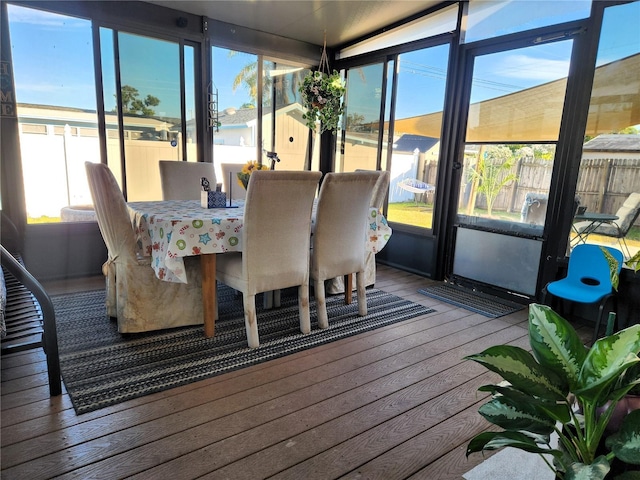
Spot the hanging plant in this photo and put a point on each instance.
(322, 94)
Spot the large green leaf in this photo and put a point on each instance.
(606, 361)
(558, 411)
(495, 440)
(520, 369)
(594, 471)
(555, 343)
(626, 442)
(505, 413)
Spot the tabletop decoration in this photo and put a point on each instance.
(248, 168)
(322, 93)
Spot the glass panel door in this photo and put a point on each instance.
(515, 110)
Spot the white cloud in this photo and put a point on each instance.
(540, 70)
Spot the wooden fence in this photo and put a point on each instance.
(603, 184)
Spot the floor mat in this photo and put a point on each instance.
(478, 302)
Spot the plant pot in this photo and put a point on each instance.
(626, 405)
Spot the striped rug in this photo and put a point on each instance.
(101, 367)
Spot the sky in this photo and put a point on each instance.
(60, 70)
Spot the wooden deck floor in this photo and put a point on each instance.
(394, 403)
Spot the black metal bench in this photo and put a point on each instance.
(29, 317)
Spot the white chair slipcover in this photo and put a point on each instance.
(275, 243)
(336, 285)
(339, 234)
(229, 173)
(182, 180)
(135, 296)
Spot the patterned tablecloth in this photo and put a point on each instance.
(173, 229)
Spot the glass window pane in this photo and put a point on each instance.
(363, 102)
(150, 91)
(107, 55)
(56, 107)
(517, 95)
(442, 21)
(190, 89)
(517, 99)
(610, 166)
(292, 134)
(235, 82)
(417, 129)
(492, 18)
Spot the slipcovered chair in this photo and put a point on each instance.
(229, 174)
(339, 234)
(627, 215)
(276, 235)
(182, 180)
(135, 296)
(336, 285)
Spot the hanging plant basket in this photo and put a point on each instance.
(322, 94)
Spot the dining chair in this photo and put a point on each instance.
(339, 235)
(627, 215)
(276, 236)
(230, 180)
(182, 180)
(380, 190)
(135, 296)
(588, 279)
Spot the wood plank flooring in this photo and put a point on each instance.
(394, 403)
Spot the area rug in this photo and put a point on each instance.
(487, 305)
(101, 367)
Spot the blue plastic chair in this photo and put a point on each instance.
(588, 279)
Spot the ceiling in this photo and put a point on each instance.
(306, 20)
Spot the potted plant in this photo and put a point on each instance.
(566, 388)
(560, 388)
(322, 97)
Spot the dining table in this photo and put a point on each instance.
(171, 230)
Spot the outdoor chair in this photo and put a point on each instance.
(588, 280)
(276, 236)
(182, 180)
(339, 235)
(627, 215)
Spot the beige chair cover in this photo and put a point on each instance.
(275, 243)
(140, 301)
(229, 171)
(336, 285)
(182, 180)
(339, 234)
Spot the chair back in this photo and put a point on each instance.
(277, 228)
(229, 174)
(588, 267)
(380, 190)
(628, 213)
(381, 187)
(340, 225)
(111, 212)
(182, 180)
